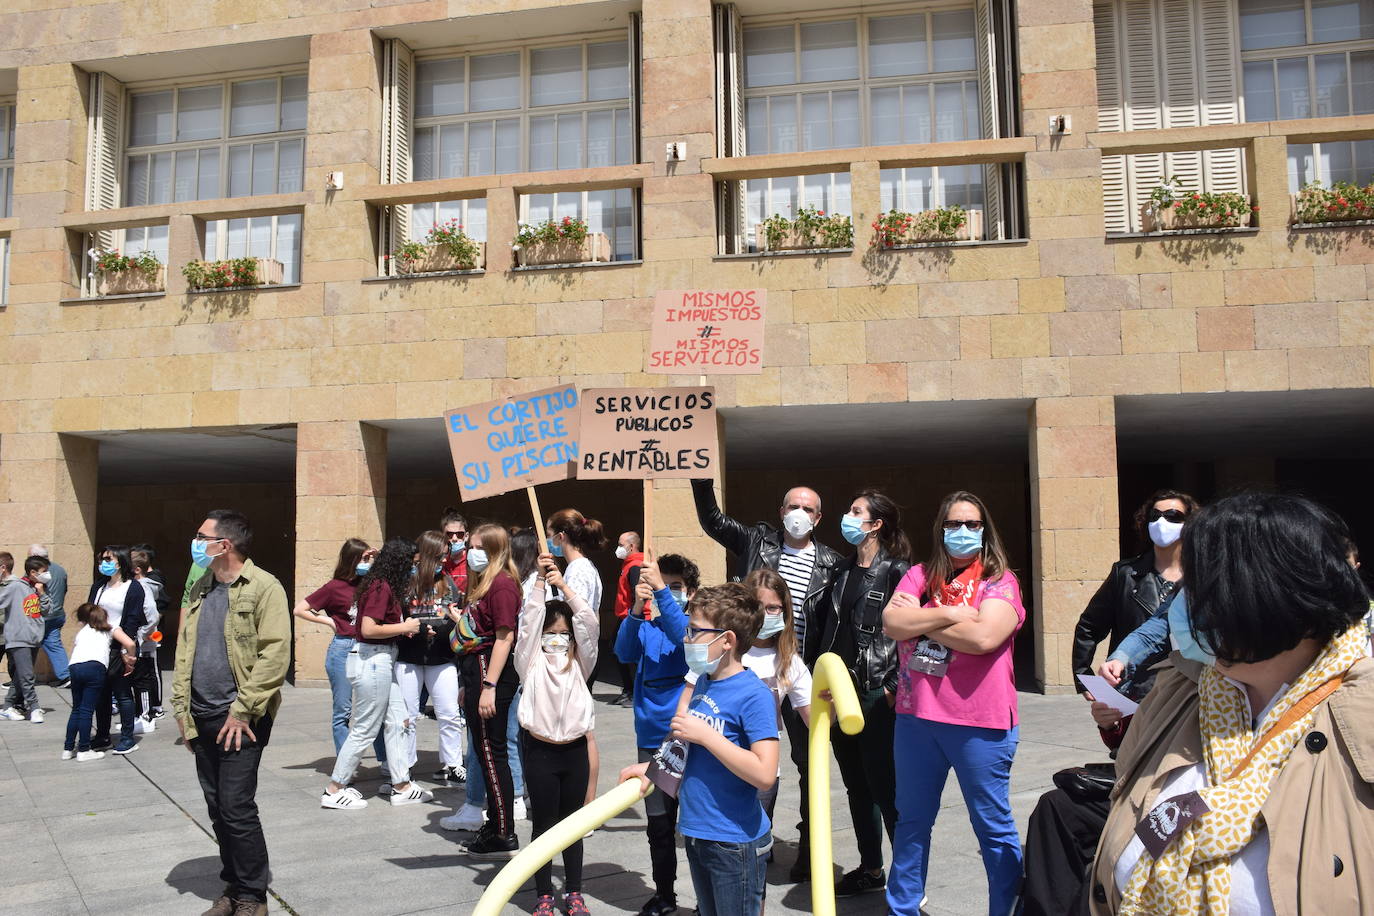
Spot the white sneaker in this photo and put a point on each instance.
(144, 726)
(412, 796)
(68, 755)
(36, 717)
(14, 715)
(520, 813)
(346, 798)
(469, 818)
(83, 756)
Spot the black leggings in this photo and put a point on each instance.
(489, 738)
(556, 777)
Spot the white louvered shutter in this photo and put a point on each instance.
(1223, 169)
(1111, 115)
(1181, 91)
(1144, 98)
(730, 133)
(104, 149)
(398, 110)
(994, 225)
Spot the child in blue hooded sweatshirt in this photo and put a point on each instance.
(651, 639)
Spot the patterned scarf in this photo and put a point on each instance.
(961, 588)
(1193, 875)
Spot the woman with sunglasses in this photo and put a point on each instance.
(1137, 589)
(956, 616)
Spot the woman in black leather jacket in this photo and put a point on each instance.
(851, 626)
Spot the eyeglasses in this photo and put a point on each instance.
(694, 632)
(772, 609)
(971, 525)
(206, 537)
(1173, 515)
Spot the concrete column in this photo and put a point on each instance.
(340, 493)
(1074, 520)
(48, 496)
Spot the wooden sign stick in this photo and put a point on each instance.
(534, 510)
(648, 514)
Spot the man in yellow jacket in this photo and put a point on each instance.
(232, 656)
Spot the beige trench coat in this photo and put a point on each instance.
(1320, 814)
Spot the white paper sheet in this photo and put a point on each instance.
(1105, 693)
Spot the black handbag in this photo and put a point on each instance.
(1090, 782)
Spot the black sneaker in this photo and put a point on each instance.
(801, 869)
(100, 744)
(659, 905)
(490, 845)
(65, 682)
(860, 881)
(449, 775)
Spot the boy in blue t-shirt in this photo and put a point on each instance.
(733, 722)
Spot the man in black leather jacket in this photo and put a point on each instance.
(764, 546)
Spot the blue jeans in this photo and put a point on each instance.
(88, 680)
(729, 878)
(924, 753)
(476, 789)
(335, 660)
(52, 645)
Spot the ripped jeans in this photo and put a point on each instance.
(376, 707)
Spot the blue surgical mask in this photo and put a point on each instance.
(772, 625)
(554, 548)
(456, 548)
(679, 595)
(699, 660)
(362, 568)
(200, 553)
(1181, 634)
(477, 559)
(108, 567)
(852, 527)
(963, 543)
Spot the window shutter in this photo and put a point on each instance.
(398, 107)
(993, 222)
(730, 136)
(1111, 115)
(1144, 171)
(104, 148)
(636, 55)
(1182, 91)
(1223, 169)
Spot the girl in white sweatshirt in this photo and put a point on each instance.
(555, 653)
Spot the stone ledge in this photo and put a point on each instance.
(156, 294)
(789, 253)
(475, 272)
(241, 289)
(1175, 233)
(579, 265)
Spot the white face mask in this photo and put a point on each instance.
(798, 523)
(622, 552)
(44, 577)
(1164, 532)
(556, 643)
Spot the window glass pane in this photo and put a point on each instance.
(770, 56)
(160, 179)
(816, 192)
(1293, 94)
(6, 135)
(570, 141)
(452, 151)
(916, 114)
(207, 175)
(212, 231)
(1301, 166)
(949, 112)
(541, 144)
(508, 146)
(782, 118)
(897, 45)
(756, 125)
(439, 87)
(260, 237)
(963, 185)
(290, 166)
(624, 150)
(1337, 162)
(1364, 161)
(421, 220)
(556, 75)
(829, 51)
(1342, 20)
(150, 118)
(184, 183)
(624, 224)
(754, 191)
(1271, 24)
(481, 137)
(600, 138)
(253, 107)
(264, 168)
(600, 214)
(1259, 91)
(136, 184)
(816, 120)
(293, 102)
(953, 40)
(1333, 86)
(198, 113)
(539, 208)
(841, 201)
(886, 114)
(567, 204)
(422, 161)
(475, 224)
(236, 233)
(495, 81)
(844, 119)
(973, 117)
(1362, 81)
(289, 246)
(240, 171)
(608, 71)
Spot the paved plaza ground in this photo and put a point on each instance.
(130, 835)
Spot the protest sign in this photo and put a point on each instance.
(514, 442)
(634, 433)
(707, 332)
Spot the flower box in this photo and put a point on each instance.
(971, 230)
(129, 282)
(266, 272)
(595, 247)
(438, 258)
(1171, 220)
(1315, 206)
(810, 230)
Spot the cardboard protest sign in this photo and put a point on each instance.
(707, 332)
(633, 433)
(514, 442)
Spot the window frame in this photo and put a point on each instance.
(9, 111)
(4, 270)
(221, 240)
(526, 111)
(522, 209)
(221, 144)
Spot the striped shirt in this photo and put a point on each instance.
(795, 567)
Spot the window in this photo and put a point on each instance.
(764, 197)
(130, 242)
(233, 138)
(272, 237)
(533, 109)
(6, 160)
(470, 214)
(612, 212)
(1311, 59)
(4, 269)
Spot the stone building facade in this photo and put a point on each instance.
(1058, 368)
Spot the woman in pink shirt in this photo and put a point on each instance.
(956, 616)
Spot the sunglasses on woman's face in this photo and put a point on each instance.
(955, 525)
(1172, 515)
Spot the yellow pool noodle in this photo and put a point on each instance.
(830, 674)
